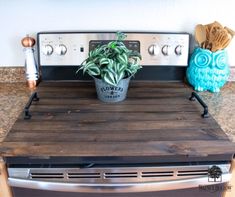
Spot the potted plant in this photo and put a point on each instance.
(112, 65)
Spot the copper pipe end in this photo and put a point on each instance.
(32, 84)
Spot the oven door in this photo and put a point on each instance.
(120, 181)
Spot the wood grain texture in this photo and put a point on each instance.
(100, 149)
(155, 119)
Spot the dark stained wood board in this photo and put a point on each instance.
(156, 119)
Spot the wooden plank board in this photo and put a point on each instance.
(129, 101)
(133, 84)
(111, 116)
(110, 126)
(118, 149)
(113, 108)
(155, 119)
(114, 136)
(86, 94)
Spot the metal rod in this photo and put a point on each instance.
(33, 97)
(203, 104)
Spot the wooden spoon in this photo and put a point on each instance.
(221, 40)
(207, 27)
(226, 43)
(230, 31)
(216, 34)
(200, 34)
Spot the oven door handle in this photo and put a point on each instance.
(115, 187)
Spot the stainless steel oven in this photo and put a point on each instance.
(184, 171)
(112, 180)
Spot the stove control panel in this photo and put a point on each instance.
(72, 48)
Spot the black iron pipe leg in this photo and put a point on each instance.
(33, 97)
(195, 96)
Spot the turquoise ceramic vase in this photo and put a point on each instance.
(208, 70)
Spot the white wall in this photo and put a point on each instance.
(21, 17)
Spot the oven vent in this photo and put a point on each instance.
(83, 175)
(192, 172)
(157, 174)
(103, 174)
(47, 175)
(114, 175)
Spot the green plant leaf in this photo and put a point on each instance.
(112, 44)
(110, 66)
(86, 66)
(120, 36)
(122, 67)
(133, 68)
(118, 50)
(120, 76)
(109, 78)
(122, 58)
(94, 71)
(91, 68)
(115, 67)
(104, 61)
(91, 53)
(128, 72)
(112, 62)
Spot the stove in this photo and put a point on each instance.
(160, 141)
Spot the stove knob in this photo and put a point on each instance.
(47, 50)
(166, 50)
(61, 49)
(153, 49)
(178, 50)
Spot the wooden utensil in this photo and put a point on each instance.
(207, 27)
(226, 43)
(216, 35)
(213, 36)
(219, 37)
(200, 34)
(230, 31)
